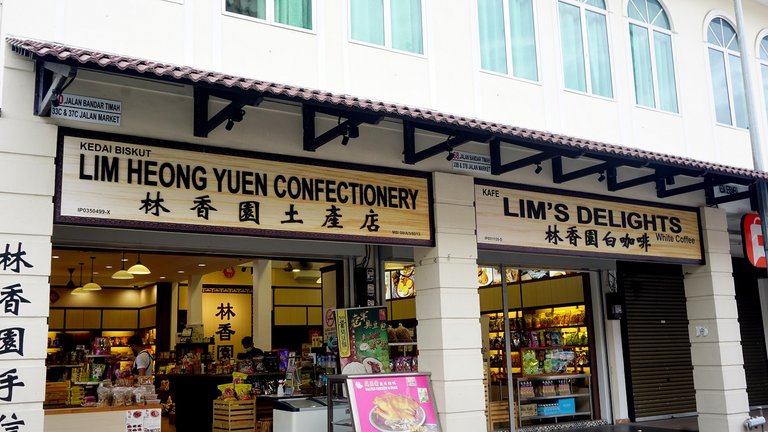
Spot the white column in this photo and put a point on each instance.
(27, 184)
(448, 307)
(718, 364)
(195, 301)
(262, 304)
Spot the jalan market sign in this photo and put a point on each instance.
(526, 219)
(114, 181)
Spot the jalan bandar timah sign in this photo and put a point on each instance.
(526, 219)
(111, 180)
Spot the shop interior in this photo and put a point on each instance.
(99, 299)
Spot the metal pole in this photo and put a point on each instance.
(507, 349)
(755, 123)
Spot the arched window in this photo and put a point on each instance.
(650, 37)
(725, 69)
(584, 45)
(763, 51)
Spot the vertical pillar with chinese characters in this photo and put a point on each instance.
(27, 152)
(448, 307)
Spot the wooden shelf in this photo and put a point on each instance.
(580, 413)
(544, 398)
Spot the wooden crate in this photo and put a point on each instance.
(233, 415)
(264, 426)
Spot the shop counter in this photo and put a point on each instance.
(102, 419)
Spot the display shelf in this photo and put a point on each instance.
(546, 398)
(554, 416)
(584, 381)
(98, 355)
(86, 383)
(402, 343)
(64, 366)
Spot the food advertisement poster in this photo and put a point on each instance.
(363, 341)
(393, 403)
(522, 218)
(108, 180)
(143, 420)
(400, 282)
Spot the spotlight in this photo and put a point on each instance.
(601, 178)
(538, 168)
(450, 156)
(230, 124)
(235, 118)
(345, 139)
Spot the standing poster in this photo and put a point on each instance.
(363, 341)
(389, 403)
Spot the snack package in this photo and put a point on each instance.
(227, 391)
(243, 391)
(239, 378)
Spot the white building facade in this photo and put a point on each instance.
(654, 88)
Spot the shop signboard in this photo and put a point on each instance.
(363, 341)
(227, 315)
(752, 239)
(528, 219)
(87, 109)
(393, 402)
(109, 180)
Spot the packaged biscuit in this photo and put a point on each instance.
(239, 378)
(227, 391)
(243, 391)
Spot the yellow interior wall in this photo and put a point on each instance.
(239, 278)
(125, 298)
(298, 297)
(290, 315)
(183, 290)
(402, 309)
(148, 296)
(241, 321)
(564, 290)
(284, 278)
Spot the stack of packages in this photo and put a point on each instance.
(237, 389)
(56, 393)
(75, 395)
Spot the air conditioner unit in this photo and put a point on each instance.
(306, 275)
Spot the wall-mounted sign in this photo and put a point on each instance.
(752, 239)
(109, 181)
(527, 219)
(471, 162)
(88, 109)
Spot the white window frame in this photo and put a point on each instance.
(583, 8)
(388, 31)
(652, 28)
(508, 43)
(763, 35)
(270, 17)
(728, 76)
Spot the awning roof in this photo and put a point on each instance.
(430, 119)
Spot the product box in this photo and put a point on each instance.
(528, 410)
(548, 409)
(567, 405)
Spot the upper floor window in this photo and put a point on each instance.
(395, 24)
(508, 37)
(725, 69)
(584, 44)
(294, 13)
(764, 68)
(650, 37)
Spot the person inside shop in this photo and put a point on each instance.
(251, 351)
(143, 362)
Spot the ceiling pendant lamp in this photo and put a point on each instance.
(139, 268)
(122, 273)
(71, 283)
(92, 286)
(79, 289)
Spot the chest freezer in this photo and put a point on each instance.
(308, 415)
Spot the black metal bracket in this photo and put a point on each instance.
(349, 128)
(50, 81)
(455, 139)
(558, 176)
(709, 182)
(232, 113)
(498, 168)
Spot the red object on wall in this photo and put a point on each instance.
(752, 239)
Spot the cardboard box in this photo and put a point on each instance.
(548, 409)
(528, 410)
(567, 405)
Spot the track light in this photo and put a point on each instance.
(601, 178)
(234, 118)
(450, 155)
(538, 168)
